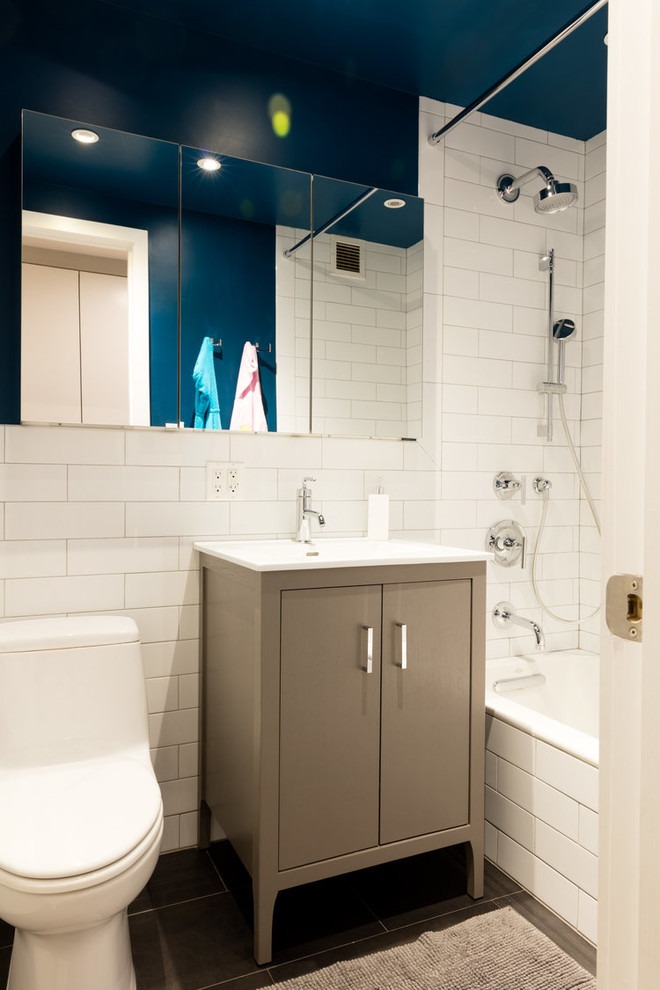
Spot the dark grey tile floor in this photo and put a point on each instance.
(191, 925)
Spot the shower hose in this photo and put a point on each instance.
(544, 513)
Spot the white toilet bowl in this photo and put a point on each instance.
(82, 815)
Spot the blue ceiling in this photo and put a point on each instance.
(124, 166)
(450, 50)
(129, 167)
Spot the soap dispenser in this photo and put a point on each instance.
(378, 516)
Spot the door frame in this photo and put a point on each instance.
(629, 859)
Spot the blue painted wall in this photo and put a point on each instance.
(227, 293)
(10, 281)
(103, 64)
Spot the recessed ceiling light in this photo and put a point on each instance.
(84, 136)
(209, 164)
(394, 204)
(605, 39)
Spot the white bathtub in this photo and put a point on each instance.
(542, 778)
(553, 696)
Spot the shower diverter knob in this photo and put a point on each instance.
(505, 485)
(506, 541)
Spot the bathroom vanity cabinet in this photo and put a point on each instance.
(343, 717)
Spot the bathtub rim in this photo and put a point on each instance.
(572, 741)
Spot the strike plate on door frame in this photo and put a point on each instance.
(624, 606)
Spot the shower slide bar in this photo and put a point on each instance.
(537, 54)
(547, 263)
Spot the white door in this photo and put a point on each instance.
(75, 363)
(104, 349)
(50, 346)
(629, 871)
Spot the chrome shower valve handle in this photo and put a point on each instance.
(507, 542)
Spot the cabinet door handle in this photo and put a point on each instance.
(370, 649)
(404, 644)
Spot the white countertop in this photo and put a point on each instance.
(288, 555)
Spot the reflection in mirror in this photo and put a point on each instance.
(237, 288)
(99, 335)
(367, 319)
(102, 252)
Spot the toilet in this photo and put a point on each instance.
(81, 815)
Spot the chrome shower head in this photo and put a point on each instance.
(564, 329)
(554, 198)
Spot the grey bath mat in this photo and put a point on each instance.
(494, 951)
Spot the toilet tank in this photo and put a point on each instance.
(71, 689)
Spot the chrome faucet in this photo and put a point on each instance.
(305, 512)
(503, 614)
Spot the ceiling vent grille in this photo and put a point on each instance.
(347, 258)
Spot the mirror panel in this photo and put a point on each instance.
(101, 341)
(100, 253)
(367, 328)
(237, 286)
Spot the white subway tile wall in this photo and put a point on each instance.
(103, 520)
(366, 350)
(491, 301)
(542, 822)
(592, 380)
(292, 317)
(110, 529)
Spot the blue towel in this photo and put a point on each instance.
(207, 408)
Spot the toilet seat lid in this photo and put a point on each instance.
(70, 819)
(67, 633)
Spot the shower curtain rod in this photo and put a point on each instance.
(333, 220)
(564, 32)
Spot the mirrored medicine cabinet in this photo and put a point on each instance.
(136, 249)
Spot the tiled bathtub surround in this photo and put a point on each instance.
(542, 822)
(484, 291)
(591, 337)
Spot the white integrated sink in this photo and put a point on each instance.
(286, 555)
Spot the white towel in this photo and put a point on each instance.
(248, 412)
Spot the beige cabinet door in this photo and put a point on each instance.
(425, 745)
(329, 723)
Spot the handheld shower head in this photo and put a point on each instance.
(562, 331)
(554, 198)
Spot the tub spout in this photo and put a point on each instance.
(503, 615)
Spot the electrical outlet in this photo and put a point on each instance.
(216, 482)
(224, 482)
(235, 481)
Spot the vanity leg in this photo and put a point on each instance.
(204, 825)
(474, 856)
(264, 906)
